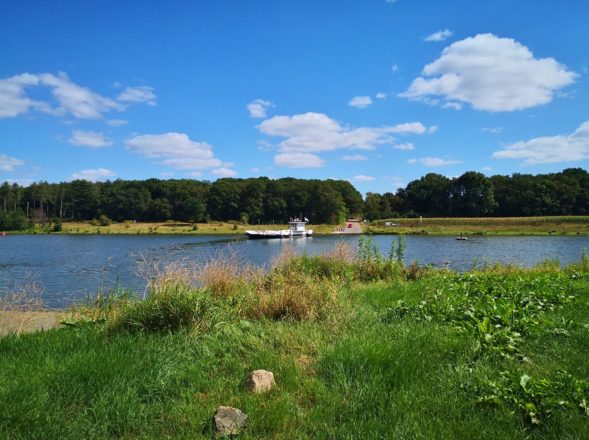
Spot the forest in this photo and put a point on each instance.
(263, 200)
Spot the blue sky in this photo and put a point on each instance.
(376, 92)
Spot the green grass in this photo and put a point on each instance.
(432, 357)
(556, 225)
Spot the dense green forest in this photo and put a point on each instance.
(263, 200)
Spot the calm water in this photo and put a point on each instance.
(72, 267)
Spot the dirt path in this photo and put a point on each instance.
(351, 227)
(27, 322)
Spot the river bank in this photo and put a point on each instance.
(498, 226)
(360, 345)
(506, 226)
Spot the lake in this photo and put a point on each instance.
(72, 267)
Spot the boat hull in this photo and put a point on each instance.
(258, 235)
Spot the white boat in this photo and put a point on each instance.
(297, 228)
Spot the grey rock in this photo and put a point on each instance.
(229, 421)
(261, 381)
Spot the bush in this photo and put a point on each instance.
(171, 308)
(103, 220)
(13, 220)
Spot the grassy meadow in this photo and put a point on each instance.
(361, 346)
(173, 227)
(565, 225)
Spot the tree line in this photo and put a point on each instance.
(475, 195)
(264, 200)
(254, 200)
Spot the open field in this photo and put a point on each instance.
(172, 227)
(573, 225)
(361, 347)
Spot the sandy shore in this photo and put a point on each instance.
(28, 322)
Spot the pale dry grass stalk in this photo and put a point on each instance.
(342, 252)
(159, 275)
(21, 310)
(285, 257)
(226, 273)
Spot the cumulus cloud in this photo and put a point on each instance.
(224, 172)
(138, 94)
(298, 160)
(80, 101)
(70, 98)
(381, 95)
(404, 146)
(362, 178)
(432, 129)
(316, 132)
(354, 157)
(360, 101)
(175, 150)
(433, 161)
(439, 36)
(8, 163)
(90, 139)
(258, 108)
(550, 149)
(490, 73)
(93, 175)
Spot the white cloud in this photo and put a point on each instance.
(258, 108)
(77, 100)
(493, 130)
(94, 175)
(117, 122)
(408, 128)
(490, 73)
(255, 170)
(224, 172)
(175, 150)
(405, 146)
(550, 149)
(487, 169)
(360, 101)
(90, 139)
(439, 36)
(298, 160)
(264, 145)
(381, 95)
(432, 129)
(354, 157)
(362, 178)
(316, 132)
(8, 163)
(138, 94)
(433, 161)
(453, 105)
(394, 68)
(70, 98)
(166, 174)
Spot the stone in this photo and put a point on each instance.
(261, 381)
(229, 421)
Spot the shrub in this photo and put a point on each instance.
(294, 296)
(103, 220)
(172, 308)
